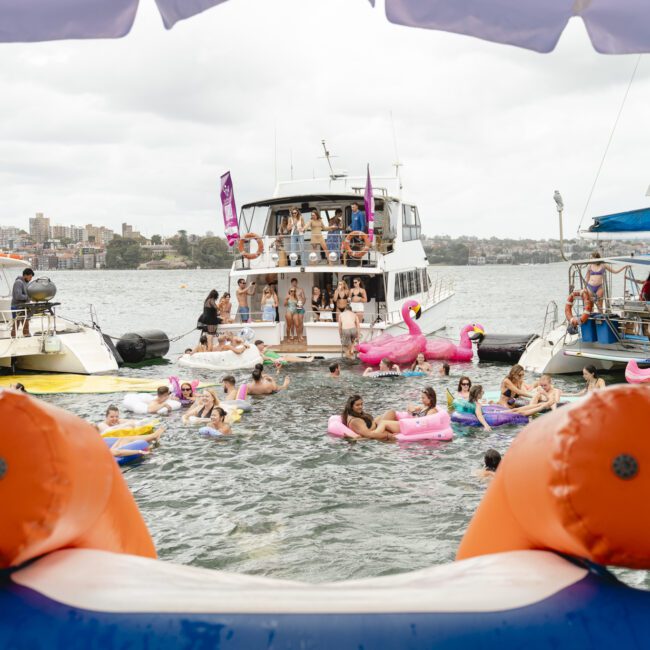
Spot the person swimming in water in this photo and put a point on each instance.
(491, 461)
(202, 408)
(118, 451)
(385, 366)
(592, 380)
(112, 419)
(265, 386)
(218, 421)
(421, 365)
(384, 427)
(464, 386)
(229, 387)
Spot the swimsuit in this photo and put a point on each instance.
(595, 287)
(291, 306)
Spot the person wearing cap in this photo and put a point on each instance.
(19, 300)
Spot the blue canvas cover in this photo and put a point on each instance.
(632, 221)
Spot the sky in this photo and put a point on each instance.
(140, 129)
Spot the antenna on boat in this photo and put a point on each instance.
(397, 164)
(328, 156)
(559, 204)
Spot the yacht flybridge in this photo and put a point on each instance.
(391, 265)
(55, 344)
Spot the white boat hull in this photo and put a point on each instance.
(83, 353)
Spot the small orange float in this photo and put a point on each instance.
(576, 481)
(60, 486)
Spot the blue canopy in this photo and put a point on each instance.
(632, 221)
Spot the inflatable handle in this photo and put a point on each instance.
(242, 393)
(574, 481)
(175, 386)
(60, 487)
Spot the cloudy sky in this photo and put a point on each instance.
(140, 129)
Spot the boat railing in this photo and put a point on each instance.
(550, 319)
(44, 323)
(271, 251)
(440, 288)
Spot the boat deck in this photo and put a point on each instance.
(294, 347)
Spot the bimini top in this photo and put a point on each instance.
(7, 262)
(634, 224)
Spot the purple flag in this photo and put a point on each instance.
(230, 226)
(369, 204)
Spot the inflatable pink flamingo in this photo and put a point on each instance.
(399, 349)
(635, 375)
(441, 349)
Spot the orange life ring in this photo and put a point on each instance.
(347, 248)
(588, 306)
(247, 237)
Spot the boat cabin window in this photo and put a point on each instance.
(411, 228)
(253, 219)
(410, 283)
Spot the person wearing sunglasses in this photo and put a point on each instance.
(464, 385)
(187, 394)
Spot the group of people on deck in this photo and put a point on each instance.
(293, 227)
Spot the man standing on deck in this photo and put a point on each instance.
(243, 291)
(19, 300)
(349, 331)
(358, 221)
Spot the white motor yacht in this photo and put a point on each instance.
(392, 267)
(606, 333)
(55, 344)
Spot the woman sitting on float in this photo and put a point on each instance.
(428, 406)
(383, 427)
(473, 405)
(513, 388)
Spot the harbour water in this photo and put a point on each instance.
(280, 497)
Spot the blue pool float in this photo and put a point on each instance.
(140, 445)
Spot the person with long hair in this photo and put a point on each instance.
(202, 345)
(428, 406)
(341, 297)
(421, 364)
(384, 427)
(210, 316)
(296, 228)
(225, 308)
(595, 277)
(269, 304)
(203, 406)
(464, 386)
(513, 388)
(592, 380)
(358, 298)
(335, 232)
(474, 401)
(316, 226)
(291, 313)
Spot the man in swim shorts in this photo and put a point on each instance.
(243, 292)
(349, 331)
(545, 399)
(273, 358)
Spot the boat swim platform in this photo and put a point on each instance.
(301, 347)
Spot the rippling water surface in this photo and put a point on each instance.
(280, 497)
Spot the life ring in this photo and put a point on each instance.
(242, 242)
(347, 248)
(588, 306)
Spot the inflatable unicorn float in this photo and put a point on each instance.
(79, 568)
(405, 348)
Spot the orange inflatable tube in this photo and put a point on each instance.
(60, 487)
(575, 481)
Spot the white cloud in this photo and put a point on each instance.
(140, 129)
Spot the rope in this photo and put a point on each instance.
(609, 141)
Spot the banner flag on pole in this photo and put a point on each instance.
(230, 226)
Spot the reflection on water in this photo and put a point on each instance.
(280, 497)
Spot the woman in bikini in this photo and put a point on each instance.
(421, 364)
(341, 296)
(358, 298)
(317, 240)
(428, 406)
(225, 308)
(592, 380)
(363, 424)
(291, 314)
(595, 277)
(513, 388)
